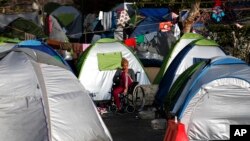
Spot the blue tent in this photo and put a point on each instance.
(192, 53)
(224, 66)
(38, 45)
(148, 25)
(213, 97)
(154, 12)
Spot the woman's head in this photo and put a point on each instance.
(124, 63)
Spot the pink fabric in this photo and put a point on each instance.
(125, 80)
(49, 24)
(85, 46)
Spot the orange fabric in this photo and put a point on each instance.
(54, 43)
(175, 132)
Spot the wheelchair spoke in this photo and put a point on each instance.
(139, 98)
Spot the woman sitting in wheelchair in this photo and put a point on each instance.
(125, 79)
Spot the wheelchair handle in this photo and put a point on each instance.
(136, 75)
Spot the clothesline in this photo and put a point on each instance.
(101, 31)
(89, 32)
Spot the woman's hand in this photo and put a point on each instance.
(125, 91)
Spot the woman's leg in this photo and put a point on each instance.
(116, 92)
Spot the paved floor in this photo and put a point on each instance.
(126, 127)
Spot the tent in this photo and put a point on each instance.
(153, 17)
(214, 97)
(106, 52)
(69, 18)
(6, 19)
(6, 46)
(18, 27)
(156, 43)
(152, 51)
(41, 100)
(57, 32)
(147, 25)
(7, 43)
(192, 53)
(173, 52)
(38, 45)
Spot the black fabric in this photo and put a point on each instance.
(116, 78)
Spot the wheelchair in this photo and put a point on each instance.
(133, 101)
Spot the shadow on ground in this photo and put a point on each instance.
(127, 127)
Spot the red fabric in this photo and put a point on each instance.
(119, 89)
(48, 24)
(175, 132)
(217, 3)
(165, 26)
(130, 42)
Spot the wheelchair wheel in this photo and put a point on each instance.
(130, 109)
(138, 98)
(113, 108)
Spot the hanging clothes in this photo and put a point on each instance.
(177, 31)
(123, 19)
(29, 36)
(140, 39)
(48, 23)
(218, 13)
(130, 42)
(165, 26)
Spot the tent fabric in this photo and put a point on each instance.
(6, 19)
(215, 96)
(207, 75)
(65, 10)
(7, 43)
(74, 30)
(19, 26)
(220, 103)
(38, 45)
(183, 61)
(156, 48)
(9, 40)
(29, 90)
(173, 52)
(175, 91)
(147, 25)
(72, 23)
(6, 46)
(57, 31)
(154, 12)
(109, 61)
(98, 82)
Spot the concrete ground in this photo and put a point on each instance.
(127, 127)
